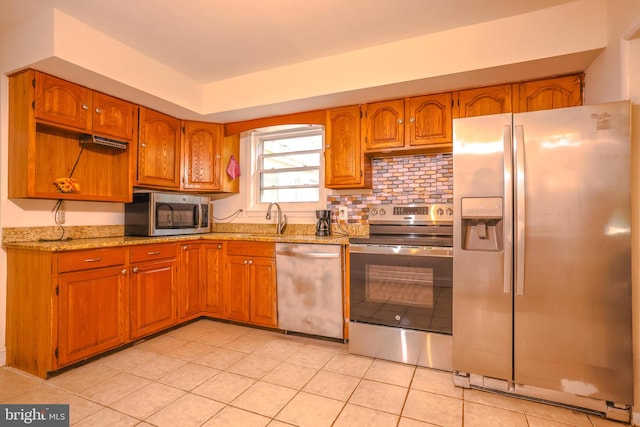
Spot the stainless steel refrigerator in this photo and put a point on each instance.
(542, 255)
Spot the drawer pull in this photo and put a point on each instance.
(153, 253)
(135, 269)
(93, 259)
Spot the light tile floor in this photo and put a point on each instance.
(217, 374)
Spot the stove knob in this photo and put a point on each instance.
(440, 211)
(382, 211)
(398, 317)
(374, 211)
(449, 212)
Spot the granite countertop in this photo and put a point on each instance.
(106, 242)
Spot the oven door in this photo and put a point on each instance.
(402, 286)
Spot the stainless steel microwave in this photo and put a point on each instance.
(166, 214)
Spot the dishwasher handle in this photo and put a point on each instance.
(294, 253)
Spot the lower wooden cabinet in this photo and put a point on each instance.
(154, 282)
(64, 307)
(250, 283)
(92, 307)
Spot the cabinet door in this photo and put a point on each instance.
(61, 102)
(238, 288)
(345, 163)
(92, 314)
(190, 294)
(429, 120)
(112, 116)
(264, 307)
(484, 101)
(153, 297)
(159, 150)
(212, 273)
(202, 156)
(385, 125)
(548, 94)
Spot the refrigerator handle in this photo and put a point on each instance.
(508, 201)
(519, 209)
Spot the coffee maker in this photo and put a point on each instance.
(323, 226)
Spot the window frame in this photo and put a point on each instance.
(299, 209)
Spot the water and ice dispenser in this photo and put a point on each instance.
(482, 224)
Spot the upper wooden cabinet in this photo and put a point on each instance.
(384, 124)
(428, 120)
(48, 120)
(345, 163)
(482, 101)
(159, 150)
(112, 116)
(202, 155)
(547, 94)
(408, 125)
(63, 103)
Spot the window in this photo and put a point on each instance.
(289, 167)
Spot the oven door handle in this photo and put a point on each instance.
(424, 251)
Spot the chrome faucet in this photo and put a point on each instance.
(282, 219)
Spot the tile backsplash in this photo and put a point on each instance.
(406, 179)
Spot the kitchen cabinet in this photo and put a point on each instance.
(201, 277)
(346, 166)
(409, 125)
(546, 94)
(190, 294)
(159, 150)
(212, 276)
(92, 300)
(48, 120)
(63, 103)
(202, 155)
(154, 281)
(482, 101)
(250, 282)
(64, 307)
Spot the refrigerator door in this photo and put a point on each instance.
(482, 299)
(572, 315)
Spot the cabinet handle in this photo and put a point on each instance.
(154, 253)
(412, 120)
(400, 121)
(99, 110)
(143, 145)
(135, 269)
(93, 259)
(250, 261)
(85, 107)
(184, 247)
(124, 271)
(245, 261)
(327, 146)
(219, 246)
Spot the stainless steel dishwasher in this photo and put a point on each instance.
(310, 283)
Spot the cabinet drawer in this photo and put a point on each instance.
(90, 259)
(264, 249)
(153, 252)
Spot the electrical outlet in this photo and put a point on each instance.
(342, 213)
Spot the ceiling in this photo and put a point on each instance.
(212, 40)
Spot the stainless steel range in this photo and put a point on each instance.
(401, 285)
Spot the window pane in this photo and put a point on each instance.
(285, 145)
(292, 161)
(284, 179)
(291, 195)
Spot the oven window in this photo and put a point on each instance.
(411, 292)
(411, 286)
